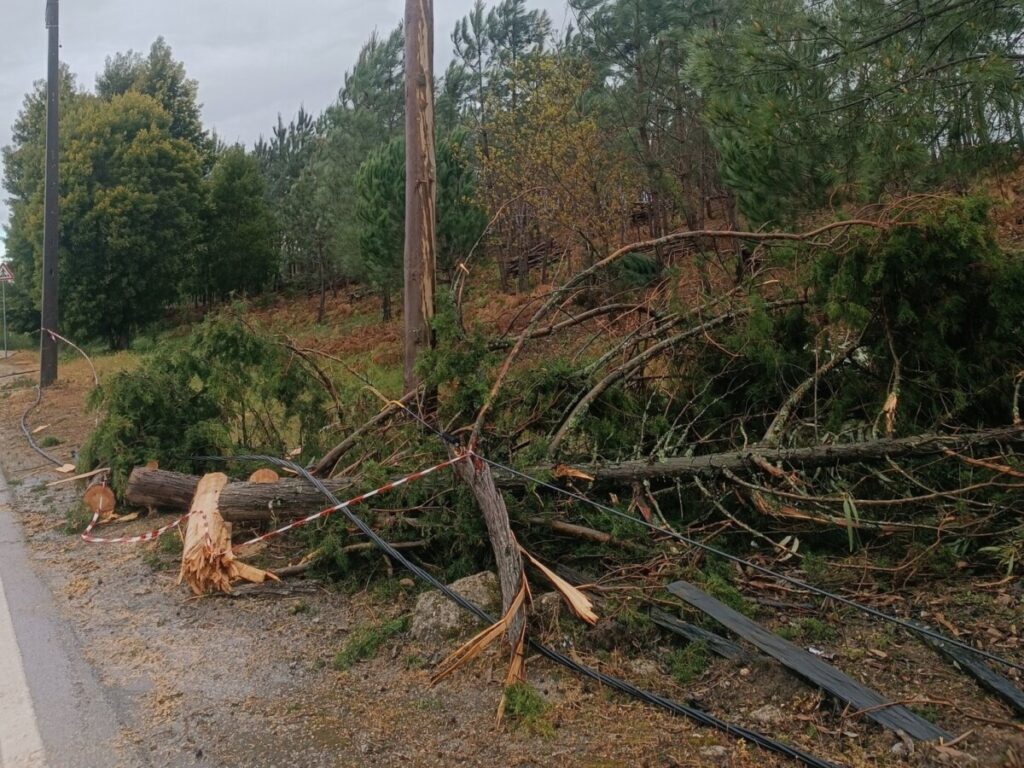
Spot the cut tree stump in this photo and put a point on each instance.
(238, 502)
(207, 562)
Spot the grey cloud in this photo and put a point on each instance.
(252, 58)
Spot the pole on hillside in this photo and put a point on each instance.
(51, 205)
(420, 184)
(420, 266)
(3, 296)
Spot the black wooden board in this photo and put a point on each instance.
(716, 643)
(840, 685)
(976, 667)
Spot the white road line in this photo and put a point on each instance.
(20, 743)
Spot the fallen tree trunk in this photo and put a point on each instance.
(207, 562)
(749, 459)
(509, 560)
(289, 498)
(238, 502)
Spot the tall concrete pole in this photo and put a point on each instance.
(51, 205)
(420, 184)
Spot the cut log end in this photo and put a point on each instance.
(207, 562)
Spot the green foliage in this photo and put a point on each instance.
(225, 388)
(689, 662)
(76, 519)
(456, 363)
(130, 200)
(717, 581)
(526, 708)
(809, 630)
(24, 163)
(366, 640)
(376, 84)
(380, 211)
(240, 254)
(941, 297)
(163, 78)
(635, 270)
(809, 103)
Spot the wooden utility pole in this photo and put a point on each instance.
(420, 184)
(420, 268)
(51, 205)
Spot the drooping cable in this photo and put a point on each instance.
(618, 684)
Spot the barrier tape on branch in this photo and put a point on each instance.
(323, 513)
(148, 536)
(353, 501)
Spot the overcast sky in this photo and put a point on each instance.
(252, 58)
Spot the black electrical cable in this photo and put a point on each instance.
(874, 612)
(622, 686)
(760, 568)
(28, 435)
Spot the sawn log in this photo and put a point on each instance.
(238, 502)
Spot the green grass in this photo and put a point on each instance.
(809, 630)
(929, 712)
(718, 584)
(688, 663)
(20, 341)
(49, 441)
(365, 641)
(525, 708)
(76, 519)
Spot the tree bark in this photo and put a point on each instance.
(805, 458)
(238, 501)
(420, 184)
(477, 475)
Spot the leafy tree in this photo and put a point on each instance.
(516, 35)
(240, 249)
(283, 160)
(380, 211)
(472, 48)
(638, 50)
(226, 388)
(351, 136)
(551, 172)
(130, 201)
(489, 46)
(376, 83)
(161, 76)
(23, 177)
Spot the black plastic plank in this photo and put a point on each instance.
(976, 667)
(840, 685)
(716, 643)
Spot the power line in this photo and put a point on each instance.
(874, 612)
(697, 715)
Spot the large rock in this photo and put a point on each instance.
(437, 619)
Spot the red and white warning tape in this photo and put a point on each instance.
(148, 536)
(151, 535)
(353, 501)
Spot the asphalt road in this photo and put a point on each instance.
(53, 711)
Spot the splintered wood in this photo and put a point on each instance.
(207, 562)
